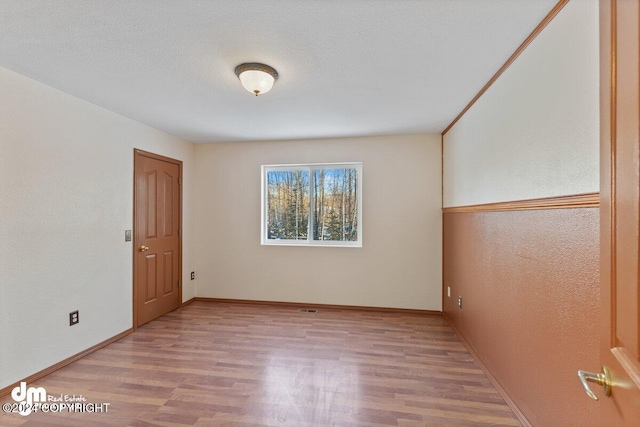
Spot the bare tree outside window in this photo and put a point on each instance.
(288, 204)
(312, 204)
(335, 204)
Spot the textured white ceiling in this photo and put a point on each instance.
(347, 68)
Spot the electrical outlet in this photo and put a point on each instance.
(449, 291)
(74, 318)
(193, 275)
(460, 302)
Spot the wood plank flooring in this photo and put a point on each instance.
(220, 364)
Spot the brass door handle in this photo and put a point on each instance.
(603, 378)
(144, 248)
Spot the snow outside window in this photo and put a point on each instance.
(312, 204)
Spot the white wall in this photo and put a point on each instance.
(534, 133)
(66, 198)
(399, 264)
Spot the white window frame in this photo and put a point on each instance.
(309, 241)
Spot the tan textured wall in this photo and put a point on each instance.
(66, 168)
(399, 264)
(529, 282)
(534, 133)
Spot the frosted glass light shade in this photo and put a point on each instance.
(257, 81)
(256, 78)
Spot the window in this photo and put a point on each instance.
(312, 205)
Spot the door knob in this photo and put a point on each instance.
(144, 248)
(603, 378)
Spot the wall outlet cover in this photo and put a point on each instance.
(74, 318)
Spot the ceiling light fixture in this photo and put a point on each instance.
(256, 78)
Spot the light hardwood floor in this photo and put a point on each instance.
(224, 364)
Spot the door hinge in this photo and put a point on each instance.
(178, 282)
(179, 181)
(179, 232)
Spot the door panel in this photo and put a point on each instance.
(157, 242)
(167, 187)
(150, 277)
(149, 198)
(620, 209)
(168, 272)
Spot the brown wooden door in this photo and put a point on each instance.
(620, 210)
(157, 241)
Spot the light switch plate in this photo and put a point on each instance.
(127, 235)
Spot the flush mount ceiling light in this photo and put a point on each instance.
(256, 78)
